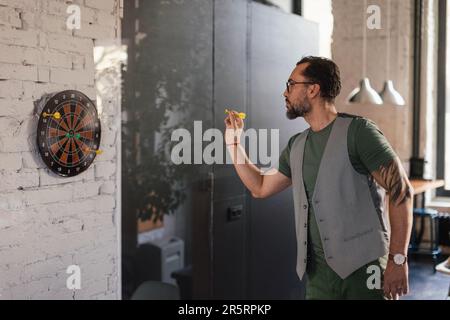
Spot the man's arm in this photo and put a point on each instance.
(392, 177)
(260, 185)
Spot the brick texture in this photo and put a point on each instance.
(48, 222)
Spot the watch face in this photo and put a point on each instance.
(399, 259)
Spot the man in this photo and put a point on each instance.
(336, 168)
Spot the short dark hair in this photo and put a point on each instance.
(324, 72)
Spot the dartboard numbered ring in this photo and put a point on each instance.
(68, 134)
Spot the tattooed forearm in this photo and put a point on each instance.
(393, 178)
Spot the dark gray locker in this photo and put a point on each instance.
(254, 56)
(194, 59)
(230, 91)
(278, 41)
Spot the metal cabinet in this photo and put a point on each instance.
(211, 55)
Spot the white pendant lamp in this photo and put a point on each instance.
(389, 94)
(364, 93)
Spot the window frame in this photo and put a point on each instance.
(443, 95)
(297, 7)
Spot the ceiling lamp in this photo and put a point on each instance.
(389, 94)
(364, 93)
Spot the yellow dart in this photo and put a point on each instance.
(96, 151)
(241, 115)
(55, 115)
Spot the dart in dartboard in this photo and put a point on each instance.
(68, 134)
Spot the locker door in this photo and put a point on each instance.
(278, 41)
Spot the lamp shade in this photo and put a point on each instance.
(390, 95)
(364, 94)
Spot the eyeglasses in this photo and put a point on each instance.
(290, 83)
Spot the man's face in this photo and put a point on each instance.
(297, 101)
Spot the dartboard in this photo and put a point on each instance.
(68, 133)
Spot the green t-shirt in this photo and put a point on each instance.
(368, 149)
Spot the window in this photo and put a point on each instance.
(290, 6)
(443, 134)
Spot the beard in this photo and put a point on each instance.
(297, 110)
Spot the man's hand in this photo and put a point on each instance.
(234, 127)
(395, 282)
(261, 184)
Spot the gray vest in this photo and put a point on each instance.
(348, 207)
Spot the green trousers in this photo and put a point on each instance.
(324, 284)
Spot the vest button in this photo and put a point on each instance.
(305, 206)
(325, 239)
(305, 225)
(305, 243)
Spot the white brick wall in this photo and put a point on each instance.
(10, 17)
(10, 161)
(48, 222)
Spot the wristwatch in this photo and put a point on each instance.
(398, 258)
